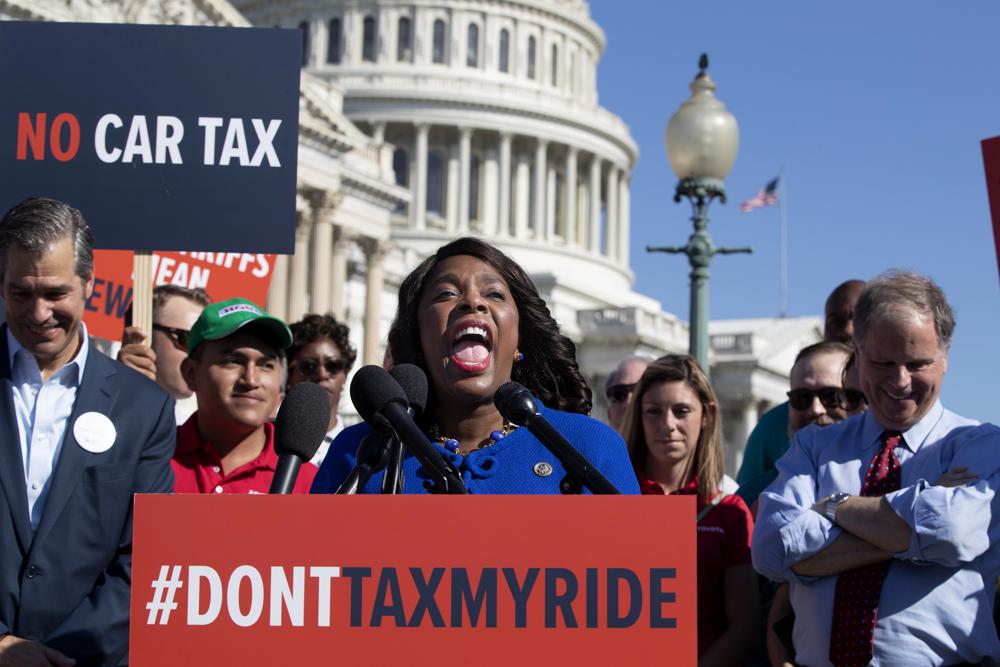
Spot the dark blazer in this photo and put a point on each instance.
(68, 585)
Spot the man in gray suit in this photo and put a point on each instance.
(79, 435)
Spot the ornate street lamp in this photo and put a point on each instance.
(702, 138)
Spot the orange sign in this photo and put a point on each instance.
(105, 310)
(223, 275)
(443, 580)
(991, 161)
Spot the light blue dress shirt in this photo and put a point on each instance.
(42, 411)
(936, 606)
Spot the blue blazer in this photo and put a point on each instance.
(511, 466)
(67, 586)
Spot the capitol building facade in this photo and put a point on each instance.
(424, 120)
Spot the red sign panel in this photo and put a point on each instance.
(991, 161)
(382, 580)
(104, 311)
(223, 275)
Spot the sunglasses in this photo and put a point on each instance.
(830, 397)
(853, 398)
(179, 337)
(619, 393)
(310, 367)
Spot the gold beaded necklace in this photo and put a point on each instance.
(453, 445)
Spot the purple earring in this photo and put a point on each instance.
(518, 357)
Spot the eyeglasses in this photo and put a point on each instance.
(853, 398)
(179, 337)
(310, 367)
(619, 393)
(830, 397)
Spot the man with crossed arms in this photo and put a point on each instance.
(883, 523)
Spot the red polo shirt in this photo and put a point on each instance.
(723, 542)
(198, 469)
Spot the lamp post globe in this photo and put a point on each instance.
(702, 139)
(702, 136)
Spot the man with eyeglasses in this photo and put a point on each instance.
(885, 525)
(769, 439)
(321, 352)
(817, 394)
(619, 386)
(175, 310)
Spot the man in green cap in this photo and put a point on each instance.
(234, 367)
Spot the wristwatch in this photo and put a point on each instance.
(833, 503)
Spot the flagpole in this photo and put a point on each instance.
(783, 245)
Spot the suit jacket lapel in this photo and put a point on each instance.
(11, 461)
(91, 396)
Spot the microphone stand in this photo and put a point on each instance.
(392, 481)
(371, 458)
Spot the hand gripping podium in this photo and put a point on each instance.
(436, 580)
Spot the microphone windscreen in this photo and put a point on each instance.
(302, 421)
(414, 383)
(372, 389)
(515, 403)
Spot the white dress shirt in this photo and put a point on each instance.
(42, 411)
(184, 408)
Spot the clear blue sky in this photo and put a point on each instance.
(875, 110)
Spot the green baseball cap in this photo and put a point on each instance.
(224, 318)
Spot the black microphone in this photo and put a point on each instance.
(373, 454)
(518, 406)
(299, 430)
(381, 448)
(382, 403)
(414, 384)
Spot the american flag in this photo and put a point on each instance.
(768, 196)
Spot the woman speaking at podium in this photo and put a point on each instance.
(472, 319)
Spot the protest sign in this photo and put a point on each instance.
(105, 309)
(991, 162)
(442, 580)
(163, 136)
(223, 275)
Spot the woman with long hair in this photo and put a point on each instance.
(674, 434)
(472, 319)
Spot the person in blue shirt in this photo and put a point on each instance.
(886, 524)
(472, 319)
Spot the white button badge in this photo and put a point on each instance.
(94, 432)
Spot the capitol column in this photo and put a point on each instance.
(464, 168)
(522, 211)
(595, 205)
(541, 185)
(323, 205)
(551, 208)
(624, 213)
(341, 245)
(300, 266)
(375, 251)
(611, 214)
(489, 185)
(744, 426)
(504, 204)
(277, 292)
(569, 231)
(419, 213)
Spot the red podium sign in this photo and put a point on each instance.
(443, 580)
